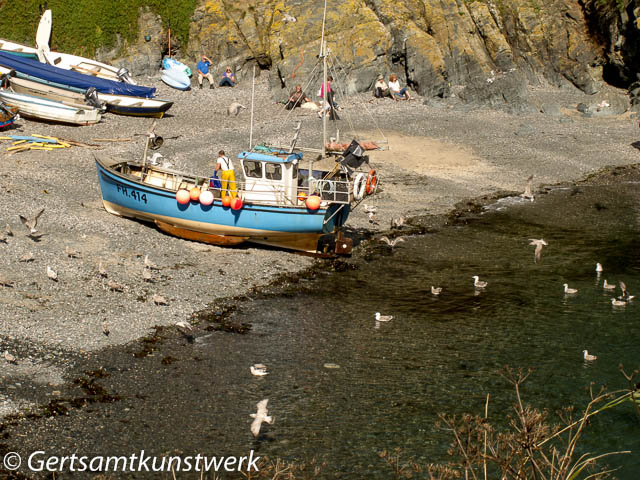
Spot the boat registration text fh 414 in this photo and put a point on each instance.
(131, 193)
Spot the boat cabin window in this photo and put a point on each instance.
(253, 169)
(273, 171)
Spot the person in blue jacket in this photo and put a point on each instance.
(203, 71)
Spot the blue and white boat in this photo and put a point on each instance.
(274, 210)
(168, 62)
(176, 78)
(72, 78)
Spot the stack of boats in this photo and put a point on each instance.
(65, 88)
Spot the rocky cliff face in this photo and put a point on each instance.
(483, 50)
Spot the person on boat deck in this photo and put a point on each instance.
(227, 175)
(203, 71)
(380, 88)
(228, 78)
(297, 98)
(398, 93)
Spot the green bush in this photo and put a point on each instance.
(82, 27)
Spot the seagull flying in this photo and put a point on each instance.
(436, 290)
(625, 295)
(568, 290)
(538, 252)
(258, 370)
(31, 223)
(588, 357)
(391, 243)
(528, 192)
(260, 416)
(479, 283)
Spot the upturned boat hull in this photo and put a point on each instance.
(292, 227)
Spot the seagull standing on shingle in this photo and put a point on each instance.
(52, 274)
(528, 189)
(8, 357)
(149, 264)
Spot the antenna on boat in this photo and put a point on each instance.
(253, 89)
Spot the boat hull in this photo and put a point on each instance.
(72, 78)
(43, 109)
(176, 78)
(291, 227)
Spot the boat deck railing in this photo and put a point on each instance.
(261, 193)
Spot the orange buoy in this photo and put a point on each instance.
(206, 198)
(313, 202)
(226, 201)
(236, 203)
(195, 194)
(183, 197)
(302, 196)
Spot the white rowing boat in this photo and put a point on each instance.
(50, 110)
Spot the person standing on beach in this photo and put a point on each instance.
(203, 71)
(227, 175)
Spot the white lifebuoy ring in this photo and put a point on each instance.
(359, 186)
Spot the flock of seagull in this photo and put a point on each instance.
(261, 416)
(538, 243)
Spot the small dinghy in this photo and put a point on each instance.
(50, 110)
(176, 78)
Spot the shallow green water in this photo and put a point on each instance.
(443, 354)
(439, 354)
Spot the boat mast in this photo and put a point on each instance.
(253, 88)
(323, 54)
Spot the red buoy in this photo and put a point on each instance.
(183, 197)
(236, 203)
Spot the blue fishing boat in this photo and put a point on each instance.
(276, 204)
(72, 78)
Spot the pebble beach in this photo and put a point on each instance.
(437, 154)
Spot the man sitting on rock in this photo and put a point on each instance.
(381, 89)
(297, 98)
(203, 70)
